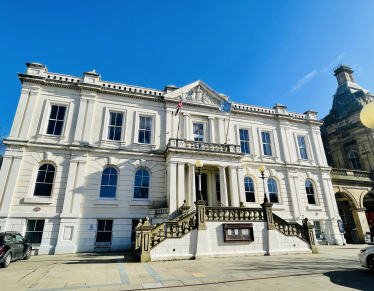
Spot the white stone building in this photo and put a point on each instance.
(87, 158)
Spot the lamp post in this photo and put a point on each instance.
(199, 165)
(262, 169)
(367, 115)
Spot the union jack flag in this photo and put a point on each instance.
(179, 107)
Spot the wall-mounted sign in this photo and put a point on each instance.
(36, 209)
(91, 227)
(238, 232)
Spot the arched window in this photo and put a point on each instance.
(355, 161)
(44, 180)
(273, 190)
(249, 190)
(310, 192)
(141, 185)
(109, 183)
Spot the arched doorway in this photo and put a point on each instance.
(345, 204)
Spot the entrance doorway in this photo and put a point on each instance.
(204, 186)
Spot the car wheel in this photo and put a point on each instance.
(370, 262)
(6, 261)
(27, 255)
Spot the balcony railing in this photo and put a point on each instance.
(203, 146)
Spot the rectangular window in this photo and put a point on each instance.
(342, 214)
(198, 132)
(115, 126)
(104, 231)
(218, 188)
(56, 120)
(244, 140)
(317, 229)
(145, 129)
(302, 147)
(34, 230)
(266, 143)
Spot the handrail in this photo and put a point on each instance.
(290, 228)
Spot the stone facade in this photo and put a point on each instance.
(349, 148)
(88, 158)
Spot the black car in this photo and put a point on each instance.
(13, 247)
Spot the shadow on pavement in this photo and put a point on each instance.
(361, 279)
(101, 258)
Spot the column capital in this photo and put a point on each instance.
(221, 167)
(186, 114)
(191, 165)
(211, 117)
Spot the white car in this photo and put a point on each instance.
(366, 257)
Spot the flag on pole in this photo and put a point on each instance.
(225, 106)
(179, 107)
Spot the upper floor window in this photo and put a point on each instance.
(44, 180)
(355, 161)
(141, 185)
(145, 129)
(115, 126)
(273, 190)
(249, 190)
(198, 132)
(244, 140)
(266, 143)
(310, 192)
(302, 147)
(56, 120)
(109, 183)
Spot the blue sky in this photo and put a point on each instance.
(256, 52)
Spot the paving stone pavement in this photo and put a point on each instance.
(334, 268)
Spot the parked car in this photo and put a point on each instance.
(366, 257)
(13, 247)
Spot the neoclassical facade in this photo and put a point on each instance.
(87, 158)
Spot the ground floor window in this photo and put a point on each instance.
(218, 188)
(104, 231)
(34, 230)
(317, 229)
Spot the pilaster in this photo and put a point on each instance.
(172, 187)
(28, 114)
(291, 173)
(186, 133)
(241, 185)
(223, 186)
(222, 131)
(234, 195)
(21, 111)
(211, 129)
(180, 185)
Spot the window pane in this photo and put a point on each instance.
(105, 179)
(100, 225)
(111, 133)
(141, 136)
(30, 225)
(51, 127)
(145, 182)
(144, 193)
(147, 137)
(119, 119)
(41, 176)
(250, 197)
(141, 122)
(246, 136)
(107, 170)
(108, 192)
(113, 180)
(241, 133)
(273, 198)
(145, 173)
(61, 113)
(39, 225)
(49, 177)
(34, 237)
(42, 189)
(195, 128)
(148, 124)
(54, 110)
(137, 192)
(50, 167)
(117, 133)
(109, 225)
(112, 120)
(58, 128)
(311, 199)
(138, 180)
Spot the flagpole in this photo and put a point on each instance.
(228, 126)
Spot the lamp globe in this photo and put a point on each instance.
(367, 115)
(199, 164)
(261, 169)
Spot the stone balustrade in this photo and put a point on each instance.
(353, 173)
(234, 214)
(290, 228)
(203, 146)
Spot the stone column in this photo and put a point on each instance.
(362, 226)
(223, 186)
(286, 152)
(186, 126)
(88, 121)
(80, 121)
(316, 147)
(211, 129)
(180, 185)
(234, 194)
(222, 131)
(292, 173)
(8, 180)
(191, 185)
(172, 187)
(241, 185)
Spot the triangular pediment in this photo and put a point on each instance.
(197, 92)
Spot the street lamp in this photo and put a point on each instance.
(367, 115)
(199, 165)
(262, 169)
